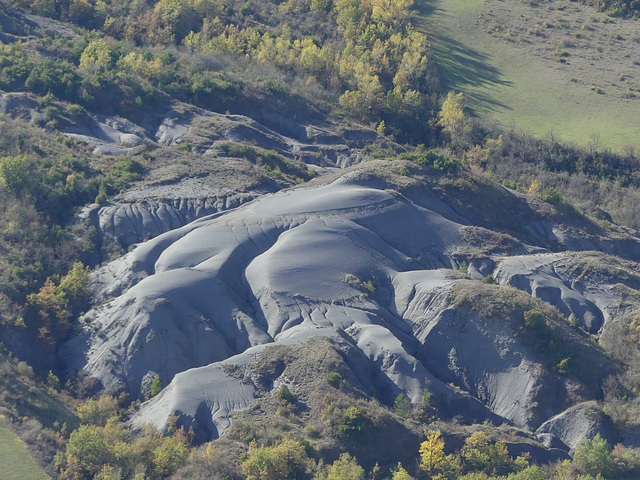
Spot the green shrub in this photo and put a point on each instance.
(551, 195)
(402, 405)
(565, 366)
(156, 386)
(89, 447)
(480, 453)
(334, 379)
(98, 412)
(371, 288)
(354, 424)
(284, 394)
(76, 111)
(593, 457)
(53, 381)
(345, 468)
(433, 159)
(185, 147)
(534, 319)
(403, 170)
(102, 196)
(14, 172)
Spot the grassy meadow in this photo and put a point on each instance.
(15, 461)
(553, 68)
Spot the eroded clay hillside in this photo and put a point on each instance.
(408, 276)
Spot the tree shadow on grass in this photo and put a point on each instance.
(460, 66)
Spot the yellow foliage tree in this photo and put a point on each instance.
(286, 460)
(391, 12)
(98, 54)
(453, 120)
(431, 451)
(534, 188)
(98, 412)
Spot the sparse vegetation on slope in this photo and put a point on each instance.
(38, 414)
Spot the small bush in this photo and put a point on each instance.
(565, 366)
(53, 381)
(287, 460)
(371, 288)
(284, 394)
(433, 159)
(534, 319)
(75, 110)
(156, 386)
(402, 405)
(102, 196)
(404, 171)
(346, 467)
(25, 370)
(334, 379)
(354, 424)
(551, 195)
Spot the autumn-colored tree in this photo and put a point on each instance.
(48, 311)
(286, 460)
(431, 451)
(392, 12)
(454, 121)
(95, 450)
(344, 467)
(168, 457)
(480, 453)
(74, 286)
(98, 54)
(98, 412)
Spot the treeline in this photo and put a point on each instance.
(364, 56)
(102, 448)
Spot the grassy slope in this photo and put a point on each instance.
(501, 53)
(15, 461)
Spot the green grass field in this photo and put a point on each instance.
(15, 461)
(566, 71)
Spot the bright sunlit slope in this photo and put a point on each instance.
(15, 461)
(550, 67)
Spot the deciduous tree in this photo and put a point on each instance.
(431, 451)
